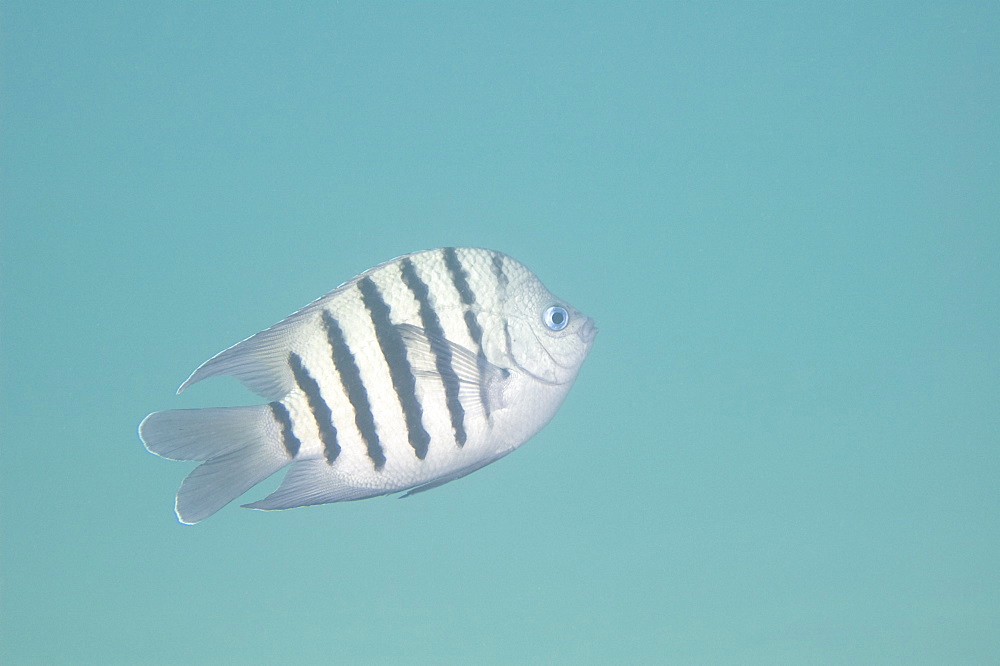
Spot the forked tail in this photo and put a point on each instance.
(241, 446)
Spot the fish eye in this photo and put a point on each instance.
(556, 317)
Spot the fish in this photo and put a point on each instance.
(412, 374)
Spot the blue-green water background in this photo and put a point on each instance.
(785, 219)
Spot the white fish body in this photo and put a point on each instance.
(416, 372)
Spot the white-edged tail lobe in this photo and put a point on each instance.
(240, 447)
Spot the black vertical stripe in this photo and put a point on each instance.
(321, 411)
(394, 351)
(350, 376)
(498, 272)
(502, 282)
(461, 281)
(442, 353)
(475, 331)
(458, 276)
(284, 419)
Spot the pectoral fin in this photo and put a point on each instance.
(479, 382)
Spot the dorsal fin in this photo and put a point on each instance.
(261, 361)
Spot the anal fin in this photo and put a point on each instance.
(310, 482)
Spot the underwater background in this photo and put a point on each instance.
(784, 218)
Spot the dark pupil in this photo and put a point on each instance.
(557, 317)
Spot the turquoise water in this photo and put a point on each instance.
(784, 447)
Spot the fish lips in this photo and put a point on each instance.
(588, 331)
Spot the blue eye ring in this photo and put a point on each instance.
(556, 317)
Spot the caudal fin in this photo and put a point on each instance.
(241, 446)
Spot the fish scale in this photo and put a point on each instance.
(414, 373)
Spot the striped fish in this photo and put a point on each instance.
(413, 374)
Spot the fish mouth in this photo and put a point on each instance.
(588, 331)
